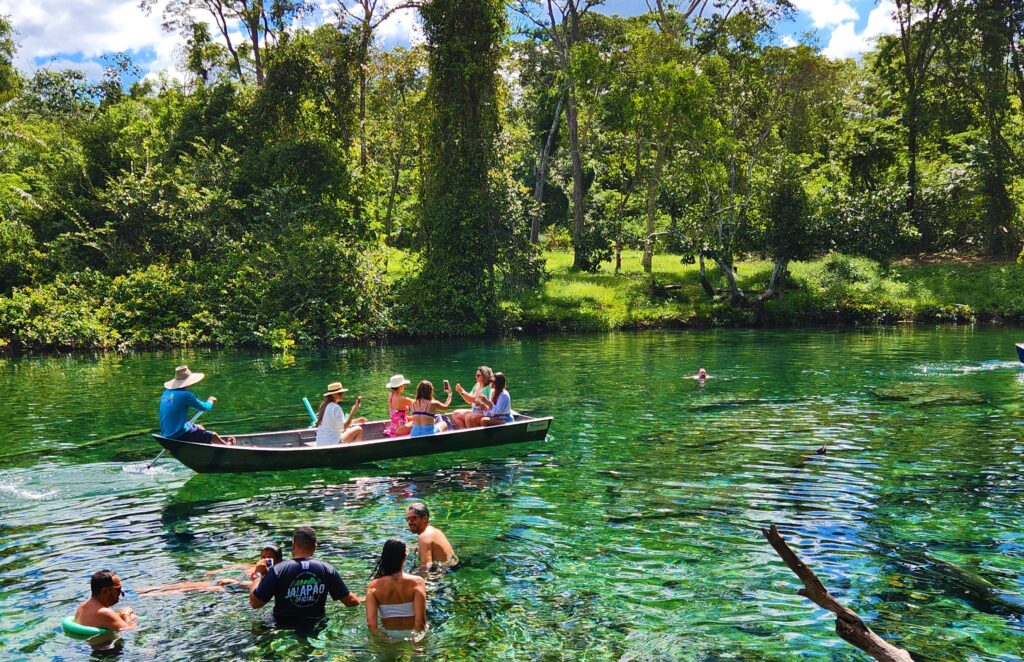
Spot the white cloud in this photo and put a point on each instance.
(788, 41)
(827, 13)
(847, 42)
(89, 29)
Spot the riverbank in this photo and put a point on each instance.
(159, 308)
(833, 290)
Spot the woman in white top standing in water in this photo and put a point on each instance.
(331, 425)
(398, 598)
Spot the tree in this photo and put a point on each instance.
(10, 81)
(455, 293)
(369, 17)
(262, 22)
(563, 26)
(918, 39)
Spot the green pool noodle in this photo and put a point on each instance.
(309, 410)
(73, 629)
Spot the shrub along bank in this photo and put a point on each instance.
(163, 307)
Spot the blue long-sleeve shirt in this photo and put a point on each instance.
(174, 406)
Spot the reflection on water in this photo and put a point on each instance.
(631, 534)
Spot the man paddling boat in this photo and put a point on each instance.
(174, 407)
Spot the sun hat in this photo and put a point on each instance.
(334, 388)
(398, 380)
(183, 378)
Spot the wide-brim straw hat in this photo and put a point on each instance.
(398, 380)
(183, 378)
(335, 388)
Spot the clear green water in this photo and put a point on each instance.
(631, 534)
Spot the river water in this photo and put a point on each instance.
(632, 533)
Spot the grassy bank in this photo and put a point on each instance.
(159, 307)
(832, 290)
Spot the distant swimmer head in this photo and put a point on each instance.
(271, 552)
(702, 373)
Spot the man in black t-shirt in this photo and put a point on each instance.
(300, 586)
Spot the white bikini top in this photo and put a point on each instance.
(403, 610)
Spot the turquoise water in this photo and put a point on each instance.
(632, 533)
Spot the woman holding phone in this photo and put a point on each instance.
(423, 410)
(470, 418)
(332, 427)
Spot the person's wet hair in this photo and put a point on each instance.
(391, 558)
(419, 509)
(305, 537)
(101, 580)
(425, 390)
(274, 552)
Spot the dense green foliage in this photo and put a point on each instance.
(262, 199)
(455, 291)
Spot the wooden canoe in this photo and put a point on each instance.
(296, 449)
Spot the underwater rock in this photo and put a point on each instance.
(922, 393)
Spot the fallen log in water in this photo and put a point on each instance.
(849, 625)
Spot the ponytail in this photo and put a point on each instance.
(323, 407)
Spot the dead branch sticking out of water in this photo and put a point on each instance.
(849, 625)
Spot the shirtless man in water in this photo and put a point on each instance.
(433, 545)
(96, 612)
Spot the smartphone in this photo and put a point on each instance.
(447, 386)
(270, 563)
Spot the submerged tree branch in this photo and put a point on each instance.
(849, 625)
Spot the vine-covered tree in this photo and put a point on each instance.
(460, 214)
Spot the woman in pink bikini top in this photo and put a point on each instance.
(398, 408)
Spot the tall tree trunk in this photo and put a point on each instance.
(252, 24)
(394, 191)
(777, 283)
(912, 184)
(222, 25)
(542, 173)
(703, 276)
(999, 208)
(577, 177)
(366, 38)
(652, 193)
(736, 296)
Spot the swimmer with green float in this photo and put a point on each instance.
(95, 616)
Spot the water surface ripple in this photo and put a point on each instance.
(632, 534)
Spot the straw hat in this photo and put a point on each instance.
(398, 380)
(334, 388)
(183, 378)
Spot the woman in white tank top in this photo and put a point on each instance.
(396, 597)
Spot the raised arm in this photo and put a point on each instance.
(352, 414)
(202, 405)
(465, 395)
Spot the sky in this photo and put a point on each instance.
(79, 33)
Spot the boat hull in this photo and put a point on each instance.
(293, 449)
(1020, 352)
